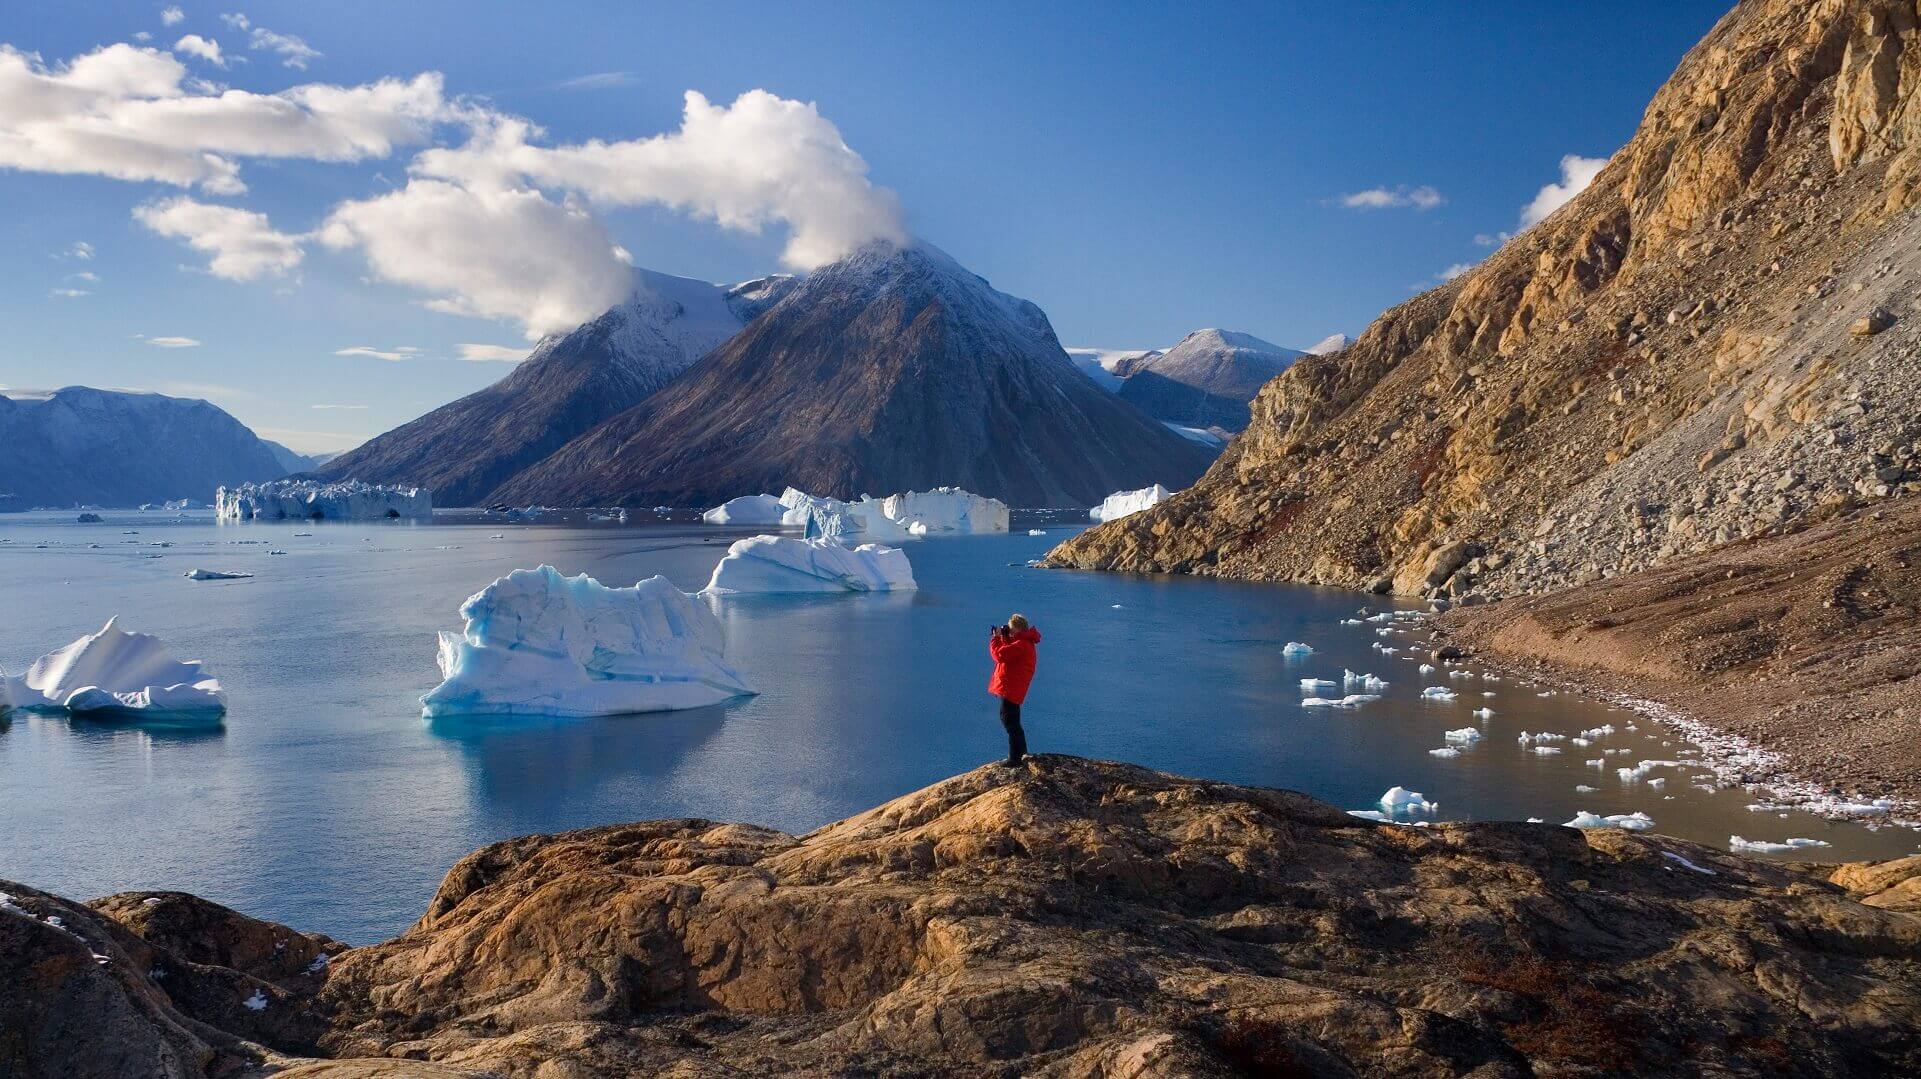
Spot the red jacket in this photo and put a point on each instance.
(1014, 659)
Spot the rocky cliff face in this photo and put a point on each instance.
(1718, 338)
(465, 450)
(1064, 918)
(85, 446)
(894, 369)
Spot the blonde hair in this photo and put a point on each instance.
(1018, 621)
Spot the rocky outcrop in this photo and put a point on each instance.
(1663, 365)
(1064, 918)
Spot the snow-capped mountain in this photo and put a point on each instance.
(894, 369)
(1205, 381)
(1100, 364)
(1329, 345)
(82, 446)
(463, 451)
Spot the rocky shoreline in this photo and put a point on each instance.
(1065, 918)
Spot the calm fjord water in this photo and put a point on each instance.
(327, 803)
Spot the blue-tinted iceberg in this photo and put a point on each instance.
(945, 509)
(864, 521)
(115, 672)
(784, 564)
(280, 500)
(746, 510)
(539, 643)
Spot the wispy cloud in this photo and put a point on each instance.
(81, 250)
(205, 48)
(172, 342)
(1455, 271)
(171, 16)
(68, 293)
(492, 353)
(1420, 199)
(1576, 173)
(348, 408)
(85, 275)
(600, 80)
(391, 355)
(293, 52)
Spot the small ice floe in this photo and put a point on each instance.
(1547, 751)
(301, 535)
(1583, 788)
(257, 1002)
(1464, 735)
(1762, 846)
(1484, 713)
(1317, 683)
(1877, 808)
(1458, 673)
(1427, 668)
(214, 575)
(1657, 783)
(1352, 700)
(1545, 693)
(1640, 771)
(276, 552)
(1544, 736)
(1633, 822)
(1438, 694)
(1350, 621)
(1367, 683)
(1597, 732)
(1296, 648)
(1685, 864)
(1444, 751)
(1114, 607)
(1579, 741)
(1399, 800)
(498, 535)
(1615, 752)
(1037, 531)
(1537, 820)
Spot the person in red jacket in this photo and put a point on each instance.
(1012, 647)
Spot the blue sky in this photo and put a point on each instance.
(1139, 171)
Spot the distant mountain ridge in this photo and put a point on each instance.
(893, 369)
(465, 450)
(84, 446)
(1206, 380)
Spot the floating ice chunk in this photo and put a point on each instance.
(1547, 750)
(115, 672)
(1633, 822)
(1352, 700)
(539, 643)
(1121, 503)
(1440, 694)
(1703, 870)
(746, 510)
(1317, 683)
(308, 499)
(1466, 735)
(1581, 742)
(945, 509)
(1444, 751)
(213, 575)
(786, 564)
(1399, 800)
(1583, 788)
(498, 535)
(1296, 648)
(1597, 762)
(1759, 846)
(1544, 736)
(1597, 732)
(1427, 668)
(1037, 531)
(1877, 808)
(1484, 713)
(1350, 621)
(1657, 783)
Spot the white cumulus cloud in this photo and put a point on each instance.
(1576, 173)
(131, 113)
(492, 353)
(242, 245)
(1420, 198)
(205, 48)
(171, 16)
(487, 251)
(764, 160)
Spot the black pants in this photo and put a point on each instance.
(1016, 738)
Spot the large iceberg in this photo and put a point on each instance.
(310, 500)
(786, 564)
(945, 509)
(1121, 503)
(746, 510)
(539, 643)
(830, 518)
(116, 672)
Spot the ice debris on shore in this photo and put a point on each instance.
(1122, 503)
(1759, 846)
(1400, 800)
(351, 500)
(1633, 822)
(538, 643)
(113, 672)
(767, 564)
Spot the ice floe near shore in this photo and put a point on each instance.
(1121, 503)
(115, 672)
(1757, 846)
(766, 564)
(279, 500)
(542, 644)
(1633, 822)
